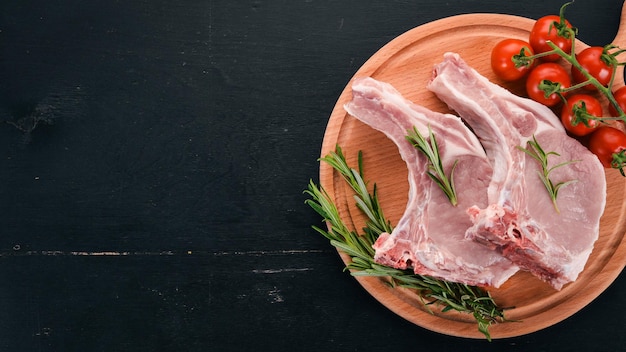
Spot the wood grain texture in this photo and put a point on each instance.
(406, 62)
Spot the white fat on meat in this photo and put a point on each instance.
(430, 235)
(520, 220)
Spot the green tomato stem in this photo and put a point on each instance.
(571, 58)
(619, 161)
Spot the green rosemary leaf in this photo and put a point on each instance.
(365, 208)
(348, 250)
(562, 164)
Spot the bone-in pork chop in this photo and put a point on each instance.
(430, 236)
(520, 220)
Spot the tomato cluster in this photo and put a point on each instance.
(568, 83)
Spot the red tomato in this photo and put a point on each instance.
(538, 76)
(620, 96)
(591, 60)
(503, 59)
(574, 106)
(609, 144)
(549, 28)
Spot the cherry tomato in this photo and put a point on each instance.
(591, 60)
(503, 59)
(549, 28)
(620, 97)
(575, 103)
(548, 71)
(608, 143)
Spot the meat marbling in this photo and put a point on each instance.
(520, 221)
(429, 237)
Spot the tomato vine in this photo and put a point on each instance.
(552, 41)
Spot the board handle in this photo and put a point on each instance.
(620, 40)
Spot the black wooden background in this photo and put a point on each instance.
(152, 165)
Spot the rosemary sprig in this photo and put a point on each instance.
(435, 165)
(537, 153)
(367, 203)
(450, 295)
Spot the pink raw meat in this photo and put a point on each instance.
(430, 235)
(520, 221)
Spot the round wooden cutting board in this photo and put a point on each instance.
(406, 62)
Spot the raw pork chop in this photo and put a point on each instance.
(520, 220)
(430, 235)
